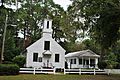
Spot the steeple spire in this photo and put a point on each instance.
(47, 27)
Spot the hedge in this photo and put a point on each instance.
(19, 60)
(9, 69)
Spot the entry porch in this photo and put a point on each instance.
(82, 59)
(82, 62)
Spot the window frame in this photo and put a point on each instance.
(57, 57)
(73, 61)
(80, 61)
(48, 24)
(35, 57)
(46, 45)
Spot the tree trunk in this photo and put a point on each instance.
(102, 54)
(4, 35)
(24, 38)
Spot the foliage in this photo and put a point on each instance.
(7, 62)
(92, 45)
(102, 64)
(114, 55)
(101, 20)
(9, 69)
(111, 60)
(10, 38)
(71, 47)
(11, 49)
(19, 60)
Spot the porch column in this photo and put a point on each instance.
(89, 62)
(82, 62)
(96, 62)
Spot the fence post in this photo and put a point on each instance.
(34, 71)
(94, 71)
(41, 69)
(108, 71)
(54, 70)
(80, 71)
(64, 71)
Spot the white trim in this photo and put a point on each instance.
(89, 62)
(36, 70)
(82, 71)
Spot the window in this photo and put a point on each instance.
(35, 57)
(73, 61)
(47, 24)
(47, 45)
(40, 59)
(80, 61)
(92, 62)
(84, 61)
(57, 57)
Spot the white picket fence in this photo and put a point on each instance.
(85, 71)
(113, 71)
(68, 71)
(37, 70)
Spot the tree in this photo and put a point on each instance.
(111, 60)
(5, 14)
(101, 18)
(92, 45)
(8, 44)
(31, 16)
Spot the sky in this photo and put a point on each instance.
(63, 3)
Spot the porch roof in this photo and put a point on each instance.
(84, 53)
(47, 52)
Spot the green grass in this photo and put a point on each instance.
(60, 77)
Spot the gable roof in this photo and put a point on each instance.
(84, 53)
(37, 43)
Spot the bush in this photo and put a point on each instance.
(9, 69)
(7, 62)
(102, 65)
(19, 60)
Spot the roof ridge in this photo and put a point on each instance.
(82, 53)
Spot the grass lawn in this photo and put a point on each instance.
(60, 77)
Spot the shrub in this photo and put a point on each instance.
(9, 69)
(7, 62)
(117, 66)
(102, 65)
(19, 60)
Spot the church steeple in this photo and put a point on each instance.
(47, 27)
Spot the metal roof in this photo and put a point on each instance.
(84, 53)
